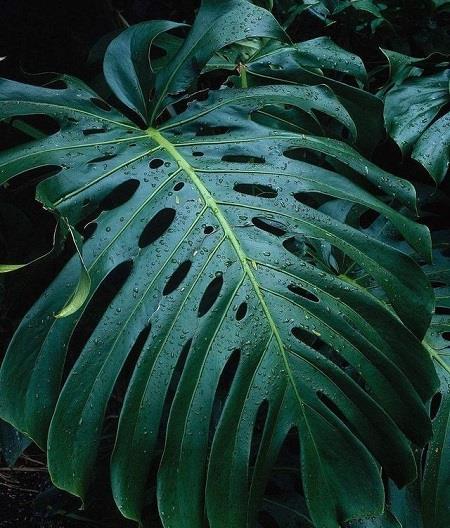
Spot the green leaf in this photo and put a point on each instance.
(127, 64)
(412, 119)
(215, 27)
(322, 52)
(207, 253)
(300, 64)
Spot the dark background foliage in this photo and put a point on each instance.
(68, 37)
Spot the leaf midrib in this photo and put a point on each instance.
(210, 203)
(158, 138)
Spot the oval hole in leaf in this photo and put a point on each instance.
(243, 158)
(274, 228)
(91, 131)
(331, 405)
(294, 288)
(256, 189)
(33, 176)
(131, 361)
(210, 295)
(241, 312)
(178, 186)
(173, 384)
(19, 130)
(208, 230)
(305, 154)
(435, 404)
(95, 309)
(307, 337)
(197, 154)
(120, 195)
(258, 430)
(156, 163)
(177, 277)
(211, 130)
(294, 246)
(105, 157)
(223, 389)
(157, 226)
(307, 198)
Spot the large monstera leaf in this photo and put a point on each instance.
(225, 307)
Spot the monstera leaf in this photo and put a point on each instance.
(317, 61)
(213, 292)
(416, 113)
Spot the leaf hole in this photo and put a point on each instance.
(242, 158)
(156, 163)
(156, 227)
(177, 277)
(258, 431)
(208, 230)
(131, 361)
(101, 299)
(105, 157)
(210, 295)
(308, 199)
(294, 246)
(308, 338)
(91, 131)
(253, 189)
(331, 405)
(211, 130)
(304, 154)
(33, 176)
(172, 388)
(241, 312)
(274, 228)
(198, 154)
(44, 123)
(294, 288)
(435, 405)
(120, 195)
(223, 388)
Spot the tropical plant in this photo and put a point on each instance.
(218, 274)
(416, 110)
